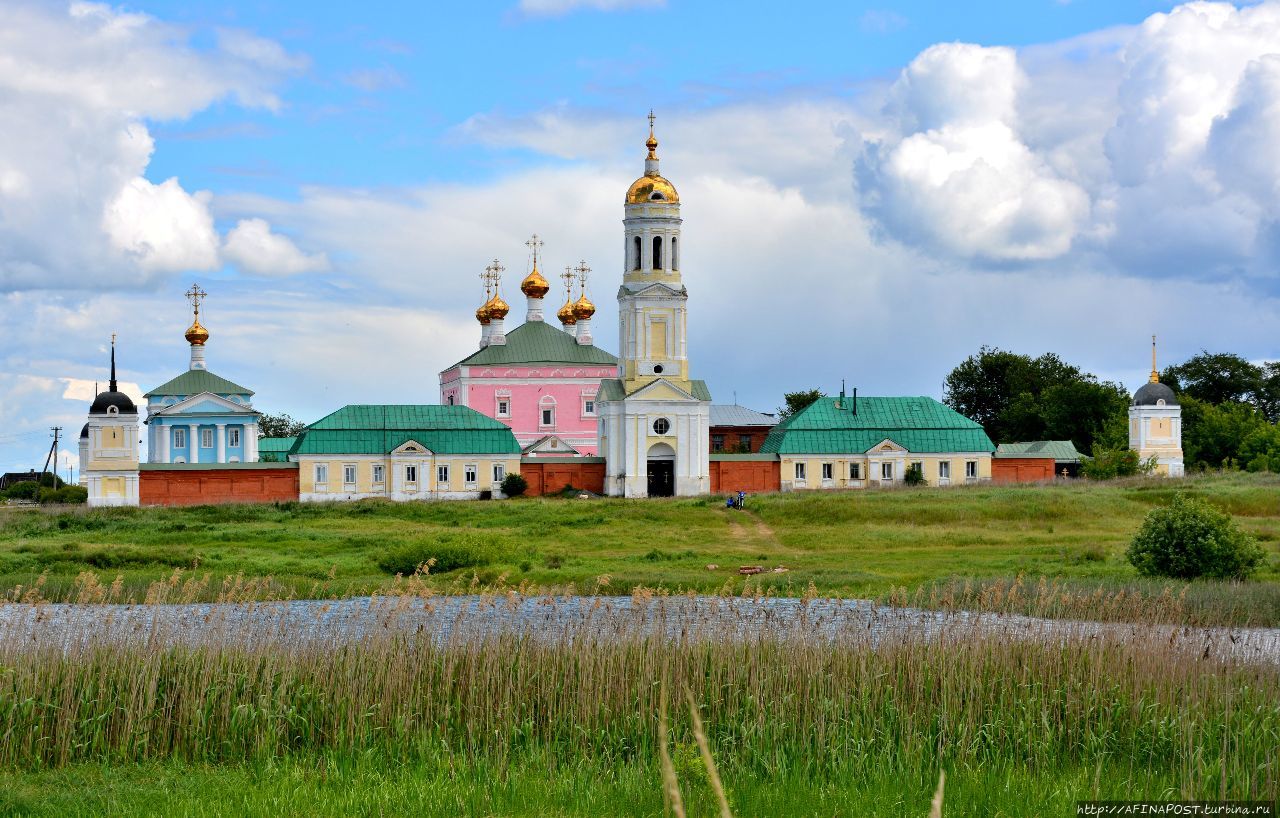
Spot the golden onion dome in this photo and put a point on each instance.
(498, 308)
(583, 308)
(197, 334)
(651, 189)
(482, 313)
(566, 315)
(534, 285)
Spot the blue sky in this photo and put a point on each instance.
(871, 192)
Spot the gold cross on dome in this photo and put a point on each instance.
(195, 295)
(495, 274)
(583, 270)
(568, 277)
(533, 244)
(651, 119)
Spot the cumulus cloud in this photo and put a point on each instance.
(960, 178)
(1146, 149)
(556, 8)
(77, 86)
(252, 247)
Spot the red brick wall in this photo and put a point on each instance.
(551, 476)
(1021, 469)
(751, 476)
(733, 436)
(206, 486)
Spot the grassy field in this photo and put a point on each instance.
(961, 546)
(567, 722)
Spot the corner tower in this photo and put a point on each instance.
(1155, 423)
(109, 446)
(654, 426)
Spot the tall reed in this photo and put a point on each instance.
(779, 697)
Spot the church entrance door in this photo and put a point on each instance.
(662, 478)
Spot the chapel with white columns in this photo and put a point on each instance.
(654, 419)
(200, 417)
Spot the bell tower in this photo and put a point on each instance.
(652, 301)
(654, 419)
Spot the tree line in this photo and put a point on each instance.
(1230, 406)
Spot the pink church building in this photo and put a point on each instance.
(539, 380)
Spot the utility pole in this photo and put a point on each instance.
(53, 455)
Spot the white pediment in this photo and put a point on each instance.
(886, 446)
(411, 447)
(205, 403)
(551, 444)
(658, 289)
(660, 389)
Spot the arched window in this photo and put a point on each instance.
(675, 254)
(451, 400)
(657, 252)
(637, 263)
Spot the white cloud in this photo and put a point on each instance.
(252, 247)
(76, 86)
(960, 179)
(556, 8)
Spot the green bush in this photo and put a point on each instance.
(73, 494)
(449, 552)
(25, 490)
(914, 476)
(1189, 538)
(1108, 464)
(513, 485)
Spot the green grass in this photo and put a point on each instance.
(863, 544)
(530, 786)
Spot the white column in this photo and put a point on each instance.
(251, 442)
(220, 441)
(162, 438)
(193, 443)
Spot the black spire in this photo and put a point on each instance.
(113, 387)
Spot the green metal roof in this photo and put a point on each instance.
(380, 429)
(195, 381)
(275, 444)
(612, 389)
(537, 342)
(1062, 451)
(917, 424)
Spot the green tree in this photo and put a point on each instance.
(1217, 378)
(1108, 464)
(1017, 397)
(1260, 449)
(796, 401)
(279, 425)
(1268, 397)
(513, 485)
(1212, 435)
(1189, 538)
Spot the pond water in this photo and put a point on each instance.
(301, 623)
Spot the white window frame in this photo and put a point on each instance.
(470, 473)
(503, 407)
(411, 473)
(588, 407)
(206, 434)
(349, 469)
(855, 471)
(322, 476)
(499, 472)
(442, 474)
(886, 471)
(179, 437)
(828, 472)
(919, 463)
(801, 470)
(944, 470)
(970, 470)
(654, 426)
(379, 474)
(233, 438)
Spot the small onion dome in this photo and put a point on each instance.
(583, 308)
(651, 189)
(197, 334)
(498, 308)
(106, 401)
(482, 313)
(566, 315)
(534, 285)
(1154, 394)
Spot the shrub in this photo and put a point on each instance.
(1189, 538)
(1108, 464)
(449, 552)
(73, 494)
(513, 485)
(914, 476)
(25, 490)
